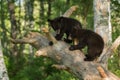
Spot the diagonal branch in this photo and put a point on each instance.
(73, 61)
(70, 11)
(108, 51)
(33, 38)
(23, 41)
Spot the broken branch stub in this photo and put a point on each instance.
(48, 35)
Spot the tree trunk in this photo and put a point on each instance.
(4, 29)
(72, 61)
(14, 27)
(3, 70)
(102, 17)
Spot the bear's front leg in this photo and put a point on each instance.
(59, 36)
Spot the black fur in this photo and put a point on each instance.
(64, 25)
(92, 40)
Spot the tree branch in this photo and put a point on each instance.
(33, 38)
(70, 11)
(74, 61)
(108, 51)
(102, 72)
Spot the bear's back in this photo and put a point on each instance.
(70, 22)
(94, 39)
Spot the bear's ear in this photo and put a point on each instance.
(61, 18)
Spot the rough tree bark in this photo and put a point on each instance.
(72, 61)
(102, 17)
(3, 70)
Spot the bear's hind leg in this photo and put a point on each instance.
(89, 58)
(92, 54)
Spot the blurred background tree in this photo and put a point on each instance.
(18, 17)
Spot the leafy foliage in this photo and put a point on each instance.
(114, 63)
(115, 18)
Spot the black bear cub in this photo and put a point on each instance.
(64, 25)
(92, 40)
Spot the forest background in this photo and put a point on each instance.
(19, 17)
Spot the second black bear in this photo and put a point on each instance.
(92, 40)
(64, 25)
